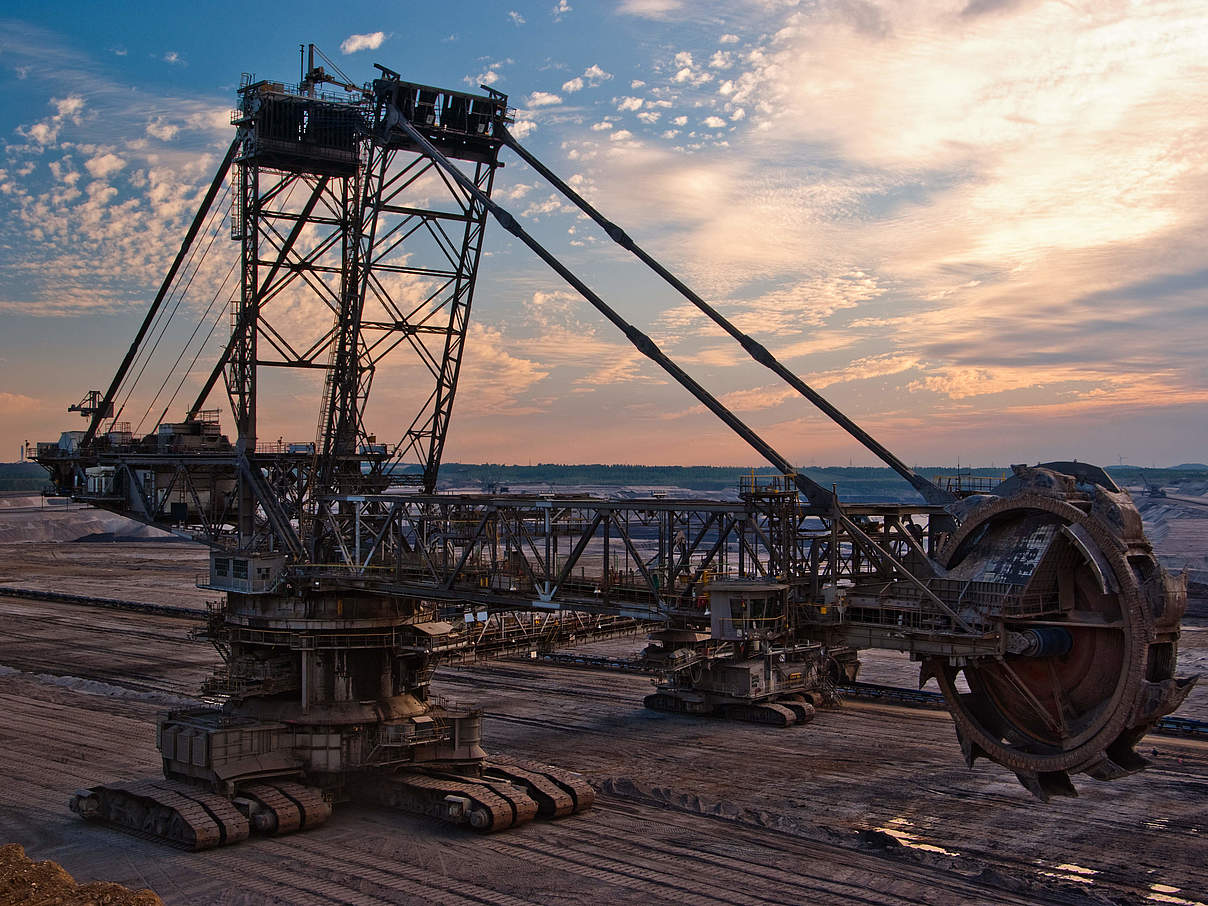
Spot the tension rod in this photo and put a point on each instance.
(931, 493)
(817, 495)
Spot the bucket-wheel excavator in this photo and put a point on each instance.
(1037, 604)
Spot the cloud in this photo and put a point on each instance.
(875, 366)
(46, 132)
(490, 75)
(513, 193)
(543, 99)
(104, 165)
(355, 43)
(103, 242)
(758, 398)
(561, 8)
(516, 18)
(164, 131)
(551, 204)
(522, 128)
(595, 75)
(979, 223)
(69, 107)
(494, 380)
(978, 7)
(174, 58)
(14, 403)
(43, 133)
(629, 103)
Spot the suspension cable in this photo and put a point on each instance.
(185, 348)
(167, 313)
(107, 400)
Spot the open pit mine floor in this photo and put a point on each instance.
(868, 804)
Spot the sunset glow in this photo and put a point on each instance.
(977, 226)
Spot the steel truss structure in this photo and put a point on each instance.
(356, 253)
(653, 560)
(639, 555)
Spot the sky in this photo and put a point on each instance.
(978, 227)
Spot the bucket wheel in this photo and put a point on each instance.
(1089, 642)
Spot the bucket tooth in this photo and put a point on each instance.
(1122, 753)
(1159, 699)
(1047, 784)
(971, 750)
(1105, 769)
(928, 670)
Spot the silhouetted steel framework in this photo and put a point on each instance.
(338, 214)
(360, 217)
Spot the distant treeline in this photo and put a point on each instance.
(22, 476)
(853, 482)
(1165, 476)
(859, 482)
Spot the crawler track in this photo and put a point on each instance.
(111, 603)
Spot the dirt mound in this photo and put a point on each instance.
(18, 524)
(24, 882)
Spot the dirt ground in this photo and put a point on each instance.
(867, 804)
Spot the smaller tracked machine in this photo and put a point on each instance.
(750, 665)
